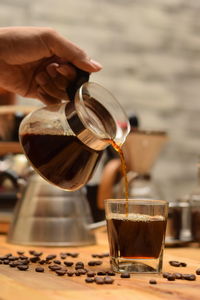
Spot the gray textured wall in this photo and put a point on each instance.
(150, 50)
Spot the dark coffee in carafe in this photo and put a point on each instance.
(62, 160)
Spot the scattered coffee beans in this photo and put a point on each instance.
(176, 263)
(51, 257)
(125, 275)
(110, 273)
(22, 267)
(165, 274)
(70, 273)
(108, 280)
(39, 269)
(56, 261)
(101, 273)
(171, 277)
(198, 271)
(190, 277)
(34, 259)
(152, 281)
(54, 267)
(89, 280)
(91, 274)
(178, 275)
(74, 255)
(94, 263)
(20, 252)
(99, 280)
(60, 272)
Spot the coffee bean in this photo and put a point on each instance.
(68, 263)
(23, 262)
(38, 253)
(13, 264)
(39, 269)
(51, 257)
(91, 263)
(166, 274)
(77, 273)
(82, 271)
(99, 280)
(12, 258)
(22, 267)
(23, 257)
(60, 272)
(34, 259)
(70, 273)
(95, 263)
(6, 261)
(74, 255)
(125, 275)
(152, 281)
(95, 255)
(91, 274)
(63, 253)
(63, 256)
(98, 262)
(171, 277)
(56, 261)
(79, 265)
(183, 264)
(42, 261)
(178, 275)
(108, 280)
(8, 255)
(198, 271)
(1, 262)
(190, 277)
(3, 257)
(20, 252)
(89, 280)
(101, 273)
(174, 263)
(54, 267)
(110, 273)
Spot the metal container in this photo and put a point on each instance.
(48, 216)
(179, 222)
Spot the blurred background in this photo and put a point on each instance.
(150, 52)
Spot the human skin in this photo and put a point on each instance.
(37, 62)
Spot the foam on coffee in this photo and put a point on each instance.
(135, 217)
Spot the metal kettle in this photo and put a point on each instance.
(48, 216)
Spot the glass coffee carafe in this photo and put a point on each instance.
(64, 142)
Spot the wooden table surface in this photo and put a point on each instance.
(30, 285)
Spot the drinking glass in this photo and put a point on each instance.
(136, 234)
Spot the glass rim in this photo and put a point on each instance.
(137, 201)
(80, 100)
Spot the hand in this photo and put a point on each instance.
(34, 63)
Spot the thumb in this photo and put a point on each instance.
(70, 52)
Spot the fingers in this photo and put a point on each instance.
(70, 52)
(53, 81)
(45, 98)
(49, 86)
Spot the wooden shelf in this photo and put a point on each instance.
(10, 147)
